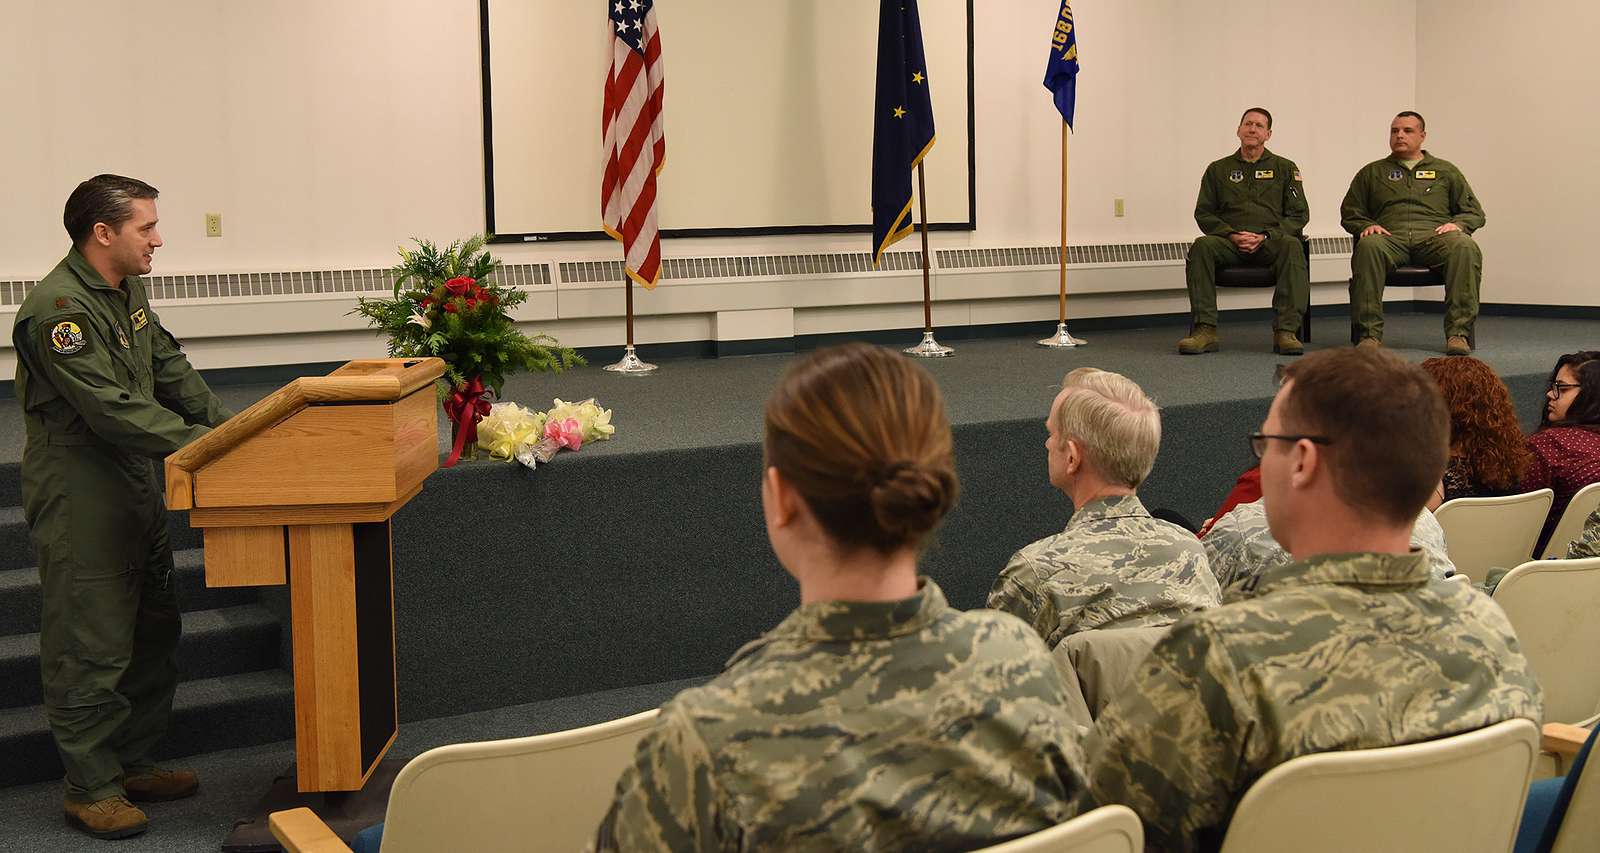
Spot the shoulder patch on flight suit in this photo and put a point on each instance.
(1236, 175)
(66, 338)
(1263, 173)
(122, 337)
(1297, 174)
(140, 319)
(1425, 175)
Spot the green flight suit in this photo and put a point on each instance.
(1264, 197)
(1411, 203)
(105, 391)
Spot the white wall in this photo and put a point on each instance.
(1509, 92)
(328, 133)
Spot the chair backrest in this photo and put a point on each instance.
(1570, 526)
(1462, 793)
(546, 792)
(1104, 659)
(1580, 823)
(1108, 829)
(1485, 533)
(1553, 607)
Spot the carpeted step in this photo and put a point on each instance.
(16, 551)
(214, 642)
(211, 714)
(20, 599)
(10, 482)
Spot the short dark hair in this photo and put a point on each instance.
(1386, 422)
(1422, 122)
(1584, 410)
(102, 198)
(1262, 110)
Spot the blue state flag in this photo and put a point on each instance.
(1061, 75)
(902, 121)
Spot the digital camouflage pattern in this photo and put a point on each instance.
(901, 725)
(1341, 651)
(1112, 567)
(1587, 545)
(1239, 546)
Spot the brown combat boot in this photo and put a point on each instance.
(1286, 343)
(1373, 343)
(112, 817)
(1202, 339)
(158, 785)
(1457, 345)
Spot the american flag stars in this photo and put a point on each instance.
(627, 17)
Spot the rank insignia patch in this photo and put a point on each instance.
(61, 302)
(1395, 174)
(1263, 173)
(122, 337)
(140, 320)
(1236, 175)
(1425, 175)
(66, 338)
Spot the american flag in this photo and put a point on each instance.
(635, 146)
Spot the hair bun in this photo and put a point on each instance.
(909, 499)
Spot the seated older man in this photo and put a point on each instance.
(1114, 566)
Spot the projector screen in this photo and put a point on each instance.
(768, 115)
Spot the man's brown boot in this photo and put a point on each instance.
(1457, 345)
(112, 817)
(1370, 342)
(1202, 339)
(157, 785)
(1285, 343)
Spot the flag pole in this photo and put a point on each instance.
(929, 348)
(1063, 339)
(630, 362)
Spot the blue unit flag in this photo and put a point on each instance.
(1061, 75)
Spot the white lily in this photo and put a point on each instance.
(420, 319)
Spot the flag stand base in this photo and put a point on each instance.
(631, 364)
(929, 348)
(1062, 339)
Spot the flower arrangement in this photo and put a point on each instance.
(445, 304)
(510, 432)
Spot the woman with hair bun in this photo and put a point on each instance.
(874, 717)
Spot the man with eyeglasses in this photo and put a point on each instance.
(1352, 645)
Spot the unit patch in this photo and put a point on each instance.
(1425, 175)
(140, 320)
(122, 337)
(1297, 174)
(1236, 175)
(1263, 173)
(1396, 174)
(66, 338)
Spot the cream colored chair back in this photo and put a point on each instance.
(1485, 533)
(546, 792)
(1554, 606)
(1462, 794)
(1108, 829)
(1570, 526)
(1580, 826)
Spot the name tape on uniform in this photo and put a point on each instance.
(1263, 173)
(140, 319)
(1425, 175)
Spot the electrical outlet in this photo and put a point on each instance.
(214, 224)
(1116, 207)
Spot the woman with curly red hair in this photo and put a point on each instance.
(1488, 454)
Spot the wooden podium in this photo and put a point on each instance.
(299, 488)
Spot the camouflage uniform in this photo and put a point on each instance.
(1587, 545)
(1239, 546)
(901, 725)
(1341, 651)
(1112, 567)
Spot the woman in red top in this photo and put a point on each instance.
(1566, 448)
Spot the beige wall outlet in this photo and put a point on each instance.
(1116, 207)
(214, 222)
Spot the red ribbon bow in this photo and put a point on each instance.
(466, 406)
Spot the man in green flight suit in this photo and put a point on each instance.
(105, 391)
(1252, 208)
(1413, 207)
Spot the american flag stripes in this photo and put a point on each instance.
(635, 145)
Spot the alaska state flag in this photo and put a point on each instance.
(1061, 75)
(902, 121)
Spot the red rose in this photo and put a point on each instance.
(472, 304)
(427, 302)
(459, 285)
(450, 306)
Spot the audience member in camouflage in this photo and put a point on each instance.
(859, 726)
(1239, 546)
(1587, 545)
(1352, 645)
(1112, 567)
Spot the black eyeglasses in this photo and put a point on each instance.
(1258, 441)
(1559, 388)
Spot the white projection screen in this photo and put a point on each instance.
(768, 115)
